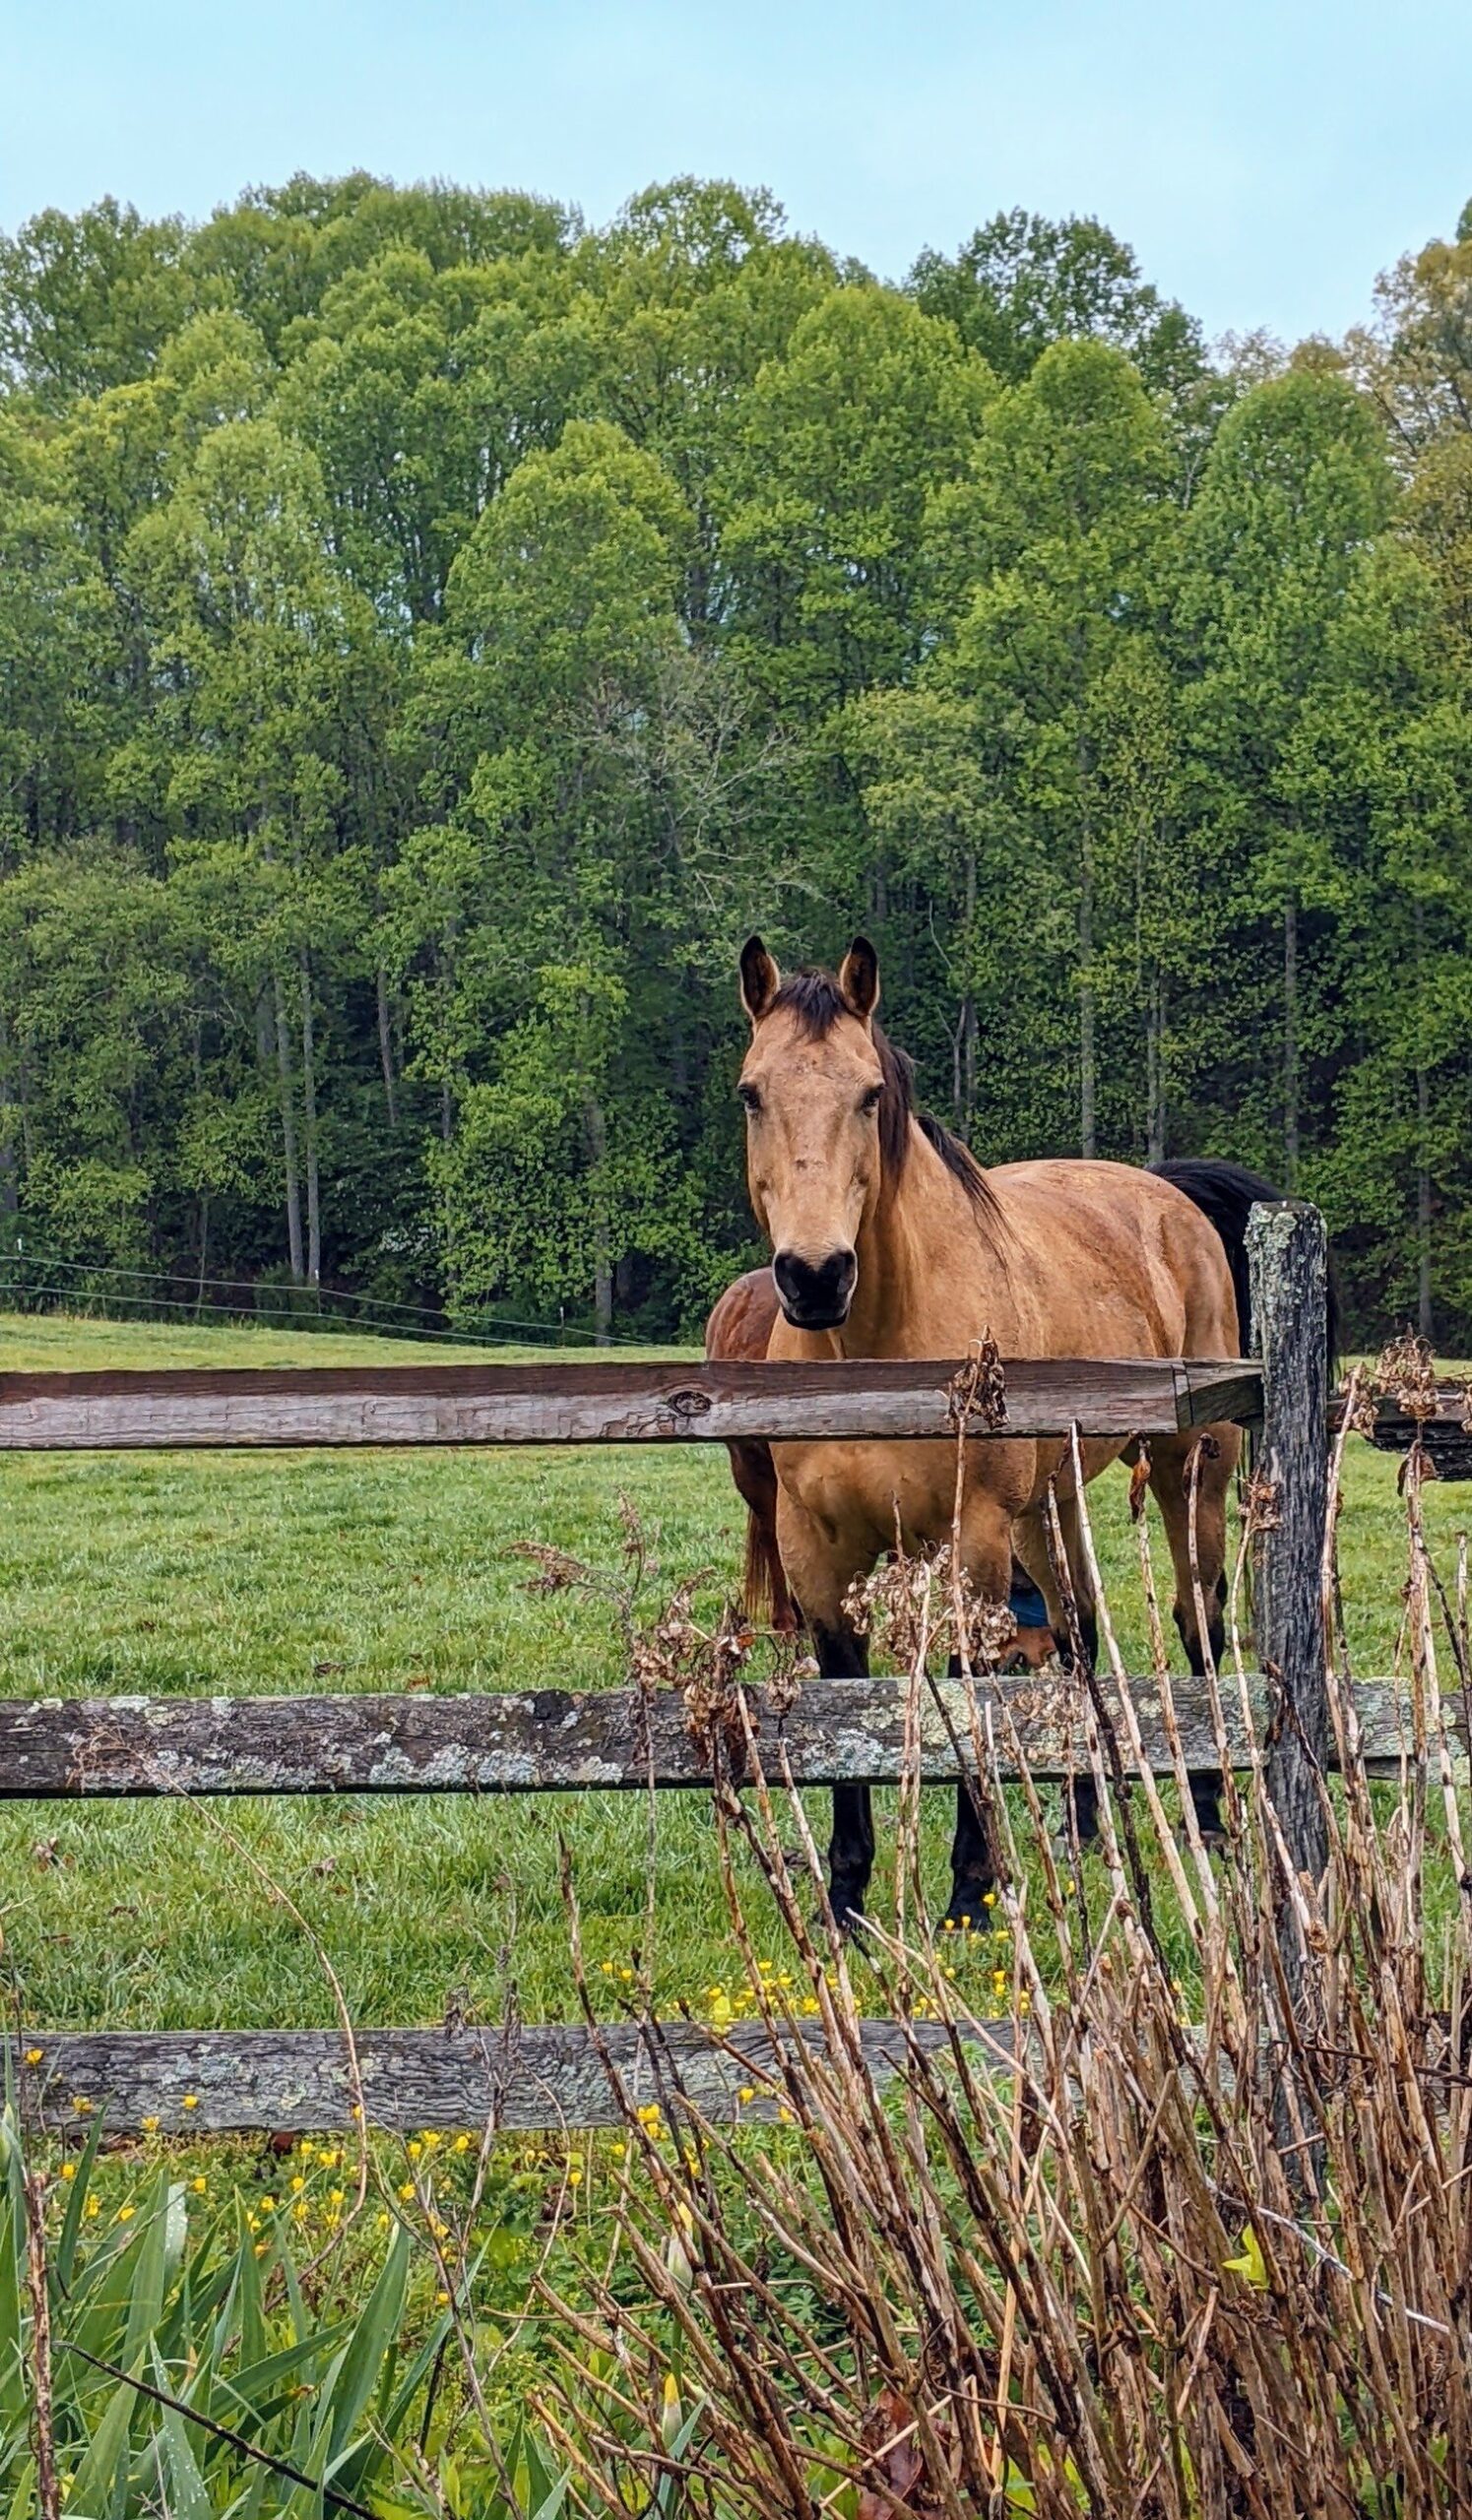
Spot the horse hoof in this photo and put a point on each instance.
(845, 1900)
(967, 1913)
(1210, 1822)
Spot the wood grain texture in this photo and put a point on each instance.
(598, 1403)
(531, 2079)
(540, 1740)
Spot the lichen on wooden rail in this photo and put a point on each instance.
(543, 1741)
(893, 1400)
(526, 2078)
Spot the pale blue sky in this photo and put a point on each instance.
(1266, 160)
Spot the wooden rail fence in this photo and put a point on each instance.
(555, 1739)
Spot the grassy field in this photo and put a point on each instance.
(360, 1570)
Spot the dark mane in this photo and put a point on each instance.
(815, 1001)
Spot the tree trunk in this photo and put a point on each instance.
(386, 1047)
(1422, 1206)
(596, 1132)
(310, 1130)
(966, 1082)
(10, 1197)
(1291, 1043)
(286, 1090)
(1087, 1061)
(1155, 1101)
(1423, 1309)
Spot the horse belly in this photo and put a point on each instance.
(862, 1497)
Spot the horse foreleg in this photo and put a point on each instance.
(821, 1566)
(1065, 1587)
(843, 1656)
(1169, 1483)
(987, 1547)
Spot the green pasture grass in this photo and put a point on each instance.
(336, 1571)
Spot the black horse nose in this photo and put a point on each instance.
(815, 1295)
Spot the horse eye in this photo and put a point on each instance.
(752, 1100)
(872, 1100)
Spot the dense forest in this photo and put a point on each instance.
(433, 632)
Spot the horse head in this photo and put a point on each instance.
(818, 1083)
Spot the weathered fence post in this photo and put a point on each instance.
(1289, 1263)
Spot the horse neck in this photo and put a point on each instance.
(914, 1226)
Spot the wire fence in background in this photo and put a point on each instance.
(101, 1290)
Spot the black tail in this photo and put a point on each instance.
(1227, 1193)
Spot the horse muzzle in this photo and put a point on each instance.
(817, 1295)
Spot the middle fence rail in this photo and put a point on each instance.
(825, 1732)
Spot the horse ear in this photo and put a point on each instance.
(760, 978)
(859, 979)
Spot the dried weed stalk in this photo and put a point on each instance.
(1051, 2253)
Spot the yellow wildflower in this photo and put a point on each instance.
(201, 2186)
(33, 2056)
(68, 2170)
(125, 2213)
(190, 2099)
(150, 2125)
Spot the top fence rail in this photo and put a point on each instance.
(894, 1400)
(676, 1401)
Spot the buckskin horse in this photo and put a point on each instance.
(890, 1239)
